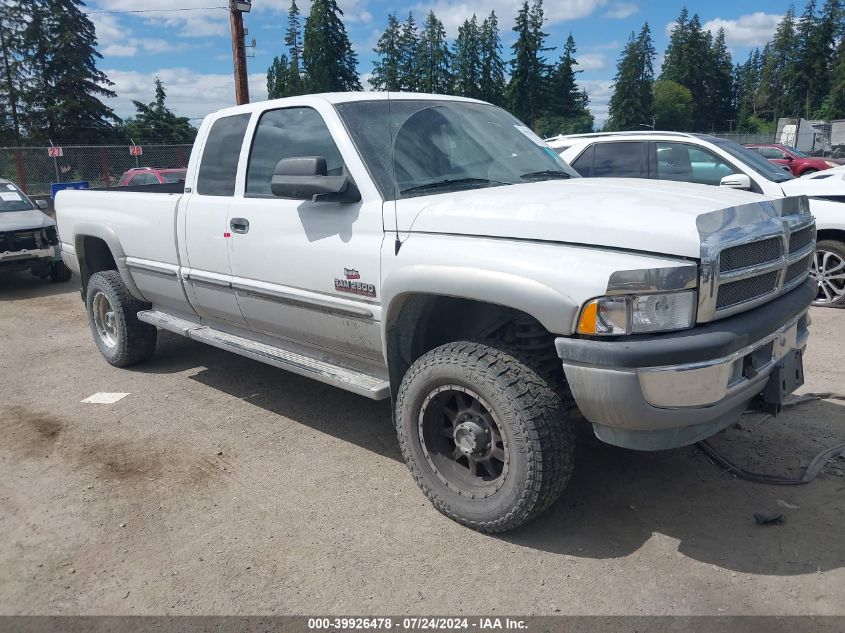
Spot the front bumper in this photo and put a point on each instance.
(664, 391)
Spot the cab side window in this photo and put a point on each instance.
(288, 133)
(219, 164)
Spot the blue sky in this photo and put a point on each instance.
(191, 50)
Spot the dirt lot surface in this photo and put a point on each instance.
(223, 486)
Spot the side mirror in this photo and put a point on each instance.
(788, 157)
(305, 178)
(42, 204)
(736, 181)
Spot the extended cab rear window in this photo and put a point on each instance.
(219, 164)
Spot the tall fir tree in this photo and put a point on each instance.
(632, 102)
(818, 36)
(385, 75)
(409, 72)
(278, 77)
(293, 41)
(492, 79)
(746, 87)
(434, 57)
(689, 62)
(466, 60)
(12, 26)
(154, 121)
(329, 62)
(776, 96)
(833, 106)
(720, 94)
(63, 88)
(527, 93)
(567, 111)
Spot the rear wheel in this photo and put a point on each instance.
(112, 313)
(484, 435)
(829, 272)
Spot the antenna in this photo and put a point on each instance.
(397, 243)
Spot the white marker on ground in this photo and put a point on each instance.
(104, 398)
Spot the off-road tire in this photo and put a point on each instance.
(59, 272)
(541, 438)
(135, 341)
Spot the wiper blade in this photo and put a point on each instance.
(437, 184)
(546, 173)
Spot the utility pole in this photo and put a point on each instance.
(236, 10)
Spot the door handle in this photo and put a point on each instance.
(239, 225)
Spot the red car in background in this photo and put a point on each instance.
(797, 161)
(151, 176)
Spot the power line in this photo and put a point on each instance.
(155, 10)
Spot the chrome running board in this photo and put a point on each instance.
(356, 381)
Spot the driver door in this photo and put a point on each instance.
(292, 259)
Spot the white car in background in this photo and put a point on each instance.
(703, 159)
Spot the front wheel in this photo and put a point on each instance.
(484, 435)
(829, 272)
(113, 315)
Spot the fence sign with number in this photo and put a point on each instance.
(55, 152)
(136, 150)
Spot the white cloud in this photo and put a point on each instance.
(353, 10)
(754, 29)
(453, 14)
(591, 61)
(196, 22)
(599, 91)
(621, 10)
(189, 93)
(115, 40)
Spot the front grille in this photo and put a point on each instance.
(796, 270)
(800, 239)
(743, 290)
(13, 241)
(750, 255)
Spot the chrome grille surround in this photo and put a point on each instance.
(746, 259)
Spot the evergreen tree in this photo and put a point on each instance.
(63, 87)
(329, 62)
(434, 57)
(689, 62)
(156, 122)
(567, 111)
(834, 105)
(12, 25)
(492, 80)
(632, 101)
(720, 97)
(409, 79)
(775, 97)
(817, 36)
(527, 93)
(385, 74)
(278, 77)
(746, 87)
(293, 40)
(466, 60)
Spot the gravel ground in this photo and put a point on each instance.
(223, 486)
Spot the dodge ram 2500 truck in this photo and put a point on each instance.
(434, 251)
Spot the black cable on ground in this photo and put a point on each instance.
(810, 473)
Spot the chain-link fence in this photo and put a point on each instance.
(744, 139)
(34, 169)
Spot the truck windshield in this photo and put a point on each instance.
(13, 199)
(769, 171)
(420, 147)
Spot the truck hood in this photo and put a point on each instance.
(632, 214)
(830, 182)
(23, 220)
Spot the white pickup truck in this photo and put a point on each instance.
(434, 251)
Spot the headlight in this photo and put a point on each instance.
(830, 163)
(638, 314)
